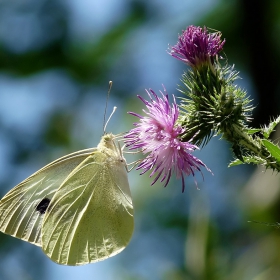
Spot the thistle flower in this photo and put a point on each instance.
(158, 137)
(197, 47)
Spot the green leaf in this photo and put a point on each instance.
(236, 162)
(247, 160)
(267, 130)
(273, 149)
(253, 130)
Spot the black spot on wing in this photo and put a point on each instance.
(43, 205)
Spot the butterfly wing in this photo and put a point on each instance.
(90, 217)
(22, 208)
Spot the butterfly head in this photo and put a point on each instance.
(108, 146)
(107, 141)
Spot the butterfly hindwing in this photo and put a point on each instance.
(90, 217)
(22, 209)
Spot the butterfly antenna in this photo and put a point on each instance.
(108, 94)
(114, 110)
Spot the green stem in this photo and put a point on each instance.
(254, 146)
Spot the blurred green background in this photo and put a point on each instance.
(56, 60)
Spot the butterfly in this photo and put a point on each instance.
(78, 208)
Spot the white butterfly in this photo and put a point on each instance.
(78, 208)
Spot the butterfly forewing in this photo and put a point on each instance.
(22, 209)
(90, 217)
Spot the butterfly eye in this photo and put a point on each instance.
(43, 205)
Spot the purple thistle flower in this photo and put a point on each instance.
(197, 47)
(157, 135)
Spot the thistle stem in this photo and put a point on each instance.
(254, 146)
